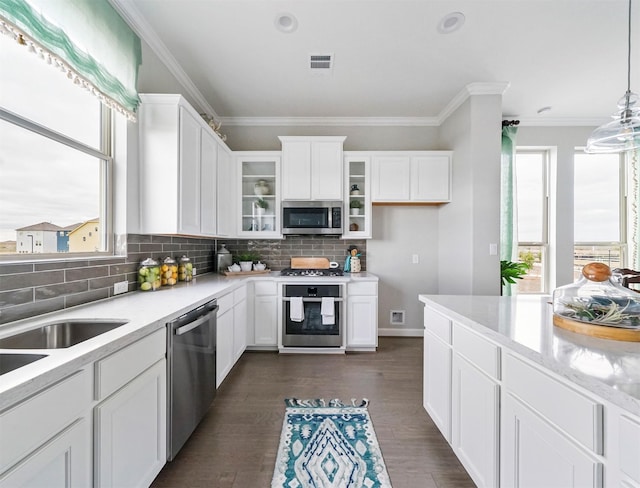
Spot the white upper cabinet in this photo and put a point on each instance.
(412, 177)
(226, 200)
(357, 206)
(312, 168)
(178, 168)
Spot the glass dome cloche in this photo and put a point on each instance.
(598, 299)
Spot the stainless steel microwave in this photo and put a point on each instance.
(306, 217)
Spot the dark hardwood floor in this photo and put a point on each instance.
(235, 445)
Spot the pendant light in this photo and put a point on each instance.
(623, 133)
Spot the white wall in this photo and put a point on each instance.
(398, 234)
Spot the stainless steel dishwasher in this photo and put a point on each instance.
(191, 363)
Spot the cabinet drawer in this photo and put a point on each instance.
(265, 288)
(31, 423)
(225, 303)
(629, 447)
(482, 353)
(240, 294)
(573, 412)
(119, 368)
(438, 324)
(364, 288)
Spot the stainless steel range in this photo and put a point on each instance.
(311, 272)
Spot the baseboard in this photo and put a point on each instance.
(401, 332)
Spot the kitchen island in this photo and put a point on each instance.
(524, 403)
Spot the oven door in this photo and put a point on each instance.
(313, 331)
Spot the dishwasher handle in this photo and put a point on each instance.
(193, 319)
(192, 325)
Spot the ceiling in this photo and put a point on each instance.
(390, 63)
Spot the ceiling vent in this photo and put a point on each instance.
(321, 63)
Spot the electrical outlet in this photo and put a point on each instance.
(193, 271)
(120, 287)
(415, 259)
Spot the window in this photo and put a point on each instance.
(599, 215)
(54, 158)
(532, 204)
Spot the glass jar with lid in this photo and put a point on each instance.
(149, 275)
(169, 271)
(597, 298)
(185, 269)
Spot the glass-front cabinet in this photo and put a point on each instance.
(259, 194)
(357, 203)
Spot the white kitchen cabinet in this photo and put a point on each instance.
(437, 370)
(130, 429)
(224, 338)
(475, 423)
(265, 315)
(208, 183)
(536, 454)
(357, 177)
(178, 168)
(312, 168)
(64, 461)
(225, 197)
(239, 322)
(130, 438)
(362, 315)
(629, 449)
(411, 177)
(258, 182)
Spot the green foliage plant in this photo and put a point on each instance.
(511, 271)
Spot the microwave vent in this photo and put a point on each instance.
(321, 62)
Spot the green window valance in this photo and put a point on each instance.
(86, 38)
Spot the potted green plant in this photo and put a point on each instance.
(246, 259)
(354, 207)
(511, 271)
(261, 205)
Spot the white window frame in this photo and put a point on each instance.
(106, 187)
(544, 244)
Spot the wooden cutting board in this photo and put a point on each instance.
(309, 263)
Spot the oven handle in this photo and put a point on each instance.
(309, 299)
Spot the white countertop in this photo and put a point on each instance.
(144, 313)
(608, 368)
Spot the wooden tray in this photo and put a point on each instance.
(601, 331)
(245, 273)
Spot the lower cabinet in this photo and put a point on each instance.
(231, 333)
(265, 314)
(130, 427)
(64, 461)
(476, 420)
(362, 315)
(239, 322)
(224, 345)
(537, 454)
(437, 382)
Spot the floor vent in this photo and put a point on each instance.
(397, 317)
(321, 62)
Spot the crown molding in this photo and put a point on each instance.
(138, 23)
(495, 88)
(330, 121)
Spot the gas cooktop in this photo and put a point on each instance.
(312, 272)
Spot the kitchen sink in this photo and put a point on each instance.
(9, 362)
(59, 335)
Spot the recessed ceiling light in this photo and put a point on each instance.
(543, 109)
(451, 23)
(286, 23)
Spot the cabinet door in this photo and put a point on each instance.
(357, 175)
(188, 175)
(326, 170)
(391, 179)
(362, 321)
(430, 179)
(208, 183)
(225, 195)
(296, 170)
(475, 422)
(437, 382)
(130, 431)
(265, 320)
(224, 349)
(535, 454)
(239, 329)
(62, 462)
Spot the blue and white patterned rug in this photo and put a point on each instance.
(328, 445)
